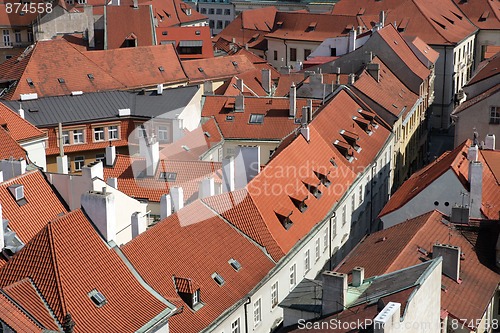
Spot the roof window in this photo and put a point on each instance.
(17, 191)
(256, 119)
(345, 149)
(30, 83)
(235, 63)
(90, 76)
(197, 32)
(218, 279)
(234, 264)
(98, 298)
(229, 118)
(169, 176)
(61, 80)
(161, 69)
(200, 70)
(283, 216)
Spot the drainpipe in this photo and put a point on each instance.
(246, 313)
(374, 167)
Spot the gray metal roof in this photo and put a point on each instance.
(90, 107)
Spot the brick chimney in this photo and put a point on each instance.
(293, 101)
(165, 206)
(451, 259)
(100, 207)
(334, 292)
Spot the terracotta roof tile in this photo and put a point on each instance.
(204, 240)
(491, 50)
(19, 129)
(477, 13)
(399, 246)
(16, 318)
(216, 69)
(185, 285)
(10, 148)
(66, 261)
(172, 13)
(14, 19)
(425, 49)
(486, 69)
(121, 21)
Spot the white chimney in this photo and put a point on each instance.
(110, 155)
(451, 259)
(239, 104)
(266, 80)
(228, 174)
(1, 176)
(334, 292)
(358, 276)
(305, 132)
(207, 188)
(100, 207)
(93, 170)
(62, 164)
(338, 76)
(352, 40)
(113, 182)
(489, 142)
(139, 224)
(12, 168)
(208, 88)
(136, 3)
(473, 153)
(351, 79)
(21, 111)
(159, 89)
(165, 206)
(152, 157)
(388, 319)
(293, 101)
(246, 165)
(239, 85)
(177, 195)
(476, 188)
(2, 230)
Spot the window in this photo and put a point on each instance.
(203, 10)
(30, 36)
(293, 278)
(211, 24)
(495, 115)
(275, 55)
(211, 11)
(325, 240)
(344, 216)
(333, 52)
(219, 24)
(65, 137)
(196, 297)
(293, 54)
(307, 261)
(162, 133)
(256, 119)
(226, 23)
(230, 151)
(113, 133)
(235, 326)
(333, 220)
(79, 163)
(227, 11)
(6, 38)
(18, 36)
(307, 52)
(353, 202)
(100, 157)
(274, 294)
(360, 194)
(316, 249)
(99, 134)
(219, 11)
(257, 315)
(168, 176)
(78, 136)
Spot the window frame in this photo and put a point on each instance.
(293, 54)
(81, 134)
(79, 161)
(307, 261)
(235, 326)
(94, 132)
(113, 129)
(292, 276)
(274, 294)
(317, 249)
(257, 312)
(162, 132)
(494, 115)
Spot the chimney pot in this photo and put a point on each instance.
(338, 75)
(352, 78)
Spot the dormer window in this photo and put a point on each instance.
(196, 297)
(311, 27)
(312, 184)
(17, 191)
(345, 149)
(218, 279)
(283, 216)
(234, 264)
(323, 178)
(351, 138)
(300, 202)
(189, 292)
(364, 124)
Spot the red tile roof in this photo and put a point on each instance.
(491, 50)
(24, 292)
(10, 148)
(14, 19)
(137, 67)
(189, 175)
(66, 261)
(27, 220)
(399, 246)
(19, 129)
(425, 49)
(172, 13)
(185, 285)
(15, 317)
(312, 27)
(121, 21)
(187, 34)
(486, 69)
(476, 99)
(437, 23)
(216, 69)
(485, 14)
(202, 239)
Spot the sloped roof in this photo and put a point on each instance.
(19, 129)
(216, 69)
(485, 14)
(197, 236)
(121, 21)
(189, 174)
(398, 247)
(425, 49)
(488, 68)
(50, 260)
(437, 23)
(476, 99)
(15, 317)
(14, 19)
(172, 13)
(10, 148)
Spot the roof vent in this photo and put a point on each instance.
(207, 134)
(76, 93)
(90, 76)
(200, 69)
(17, 191)
(234, 264)
(161, 69)
(61, 80)
(30, 83)
(197, 32)
(217, 278)
(235, 64)
(98, 298)
(123, 112)
(28, 97)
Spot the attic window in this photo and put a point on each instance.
(218, 279)
(448, 19)
(279, 24)
(440, 24)
(332, 161)
(313, 187)
(345, 149)
(352, 139)
(164, 33)
(30, 83)
(98, 298)
(61, 80)
(161, 69)
(312, 26)
(235, 63)
(200, 69)
(284, 218)
(364, 124)
(17, 191)
(32, 110)
(187, 11)
(300, 203)
(90, 76)
(323, 178)
(207, 134)
(186, 148)
(234, 264)
(256, 119)
(484, 15)
(197, 32)
(169, 176)
(229, 118)
(423, 251)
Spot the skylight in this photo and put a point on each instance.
(229, 118)
(256, 119)
(234, 264)
(97, 297)
(169, 176)
(161, 69)
(218, 279)
(61, 80)
(30, 82)
(90, 76)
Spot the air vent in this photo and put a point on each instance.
(229, 118)
(234, 264)
(207, 134)
(98, 298)
(235, 64)
(200, 69)
(218, 279)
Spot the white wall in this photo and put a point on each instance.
(340, 43)
(283, 48)
(483, 38)
(36, 152)
(191, 114)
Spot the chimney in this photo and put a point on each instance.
(334, 292)
(136, 3)
(234, 40)
(476, 188)
(352, 40)
(309, 110)
(358, 276)
(2, 231)
(208, 88)
(316, 79)
(62, 164)
(93, 170)
(305, 115)
(239, 85)
(110, 155)
(374, 70)
(152, 156)
(389, 319)
(293, 101)
(12, 168)
(305, 132)
(239, 104)
(113, 182)
(177, 195)
(266, 80)
(228, 174)
(451, 259)
(207, 188)
(489, 142)
(159, 89)
(165, 206)
(139, 224)
(1, 176)
(382, 19)
(473, 153)
(100, 208)
(338, 75)
(369, 57)
(351, 79)
(246, 165)
(21, 111)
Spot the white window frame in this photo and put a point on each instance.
(66, 138)
(235, 326)
(113, 129)
(325, 239)
(80, 133)
(100, 132)
(257, 312)
(344, 215)
(196, 297)
(494, 115)
(274, 294)
(293, 276)
(79, 163)
(317, 250)
(163, 133)
(333, 221)
(307, 261)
